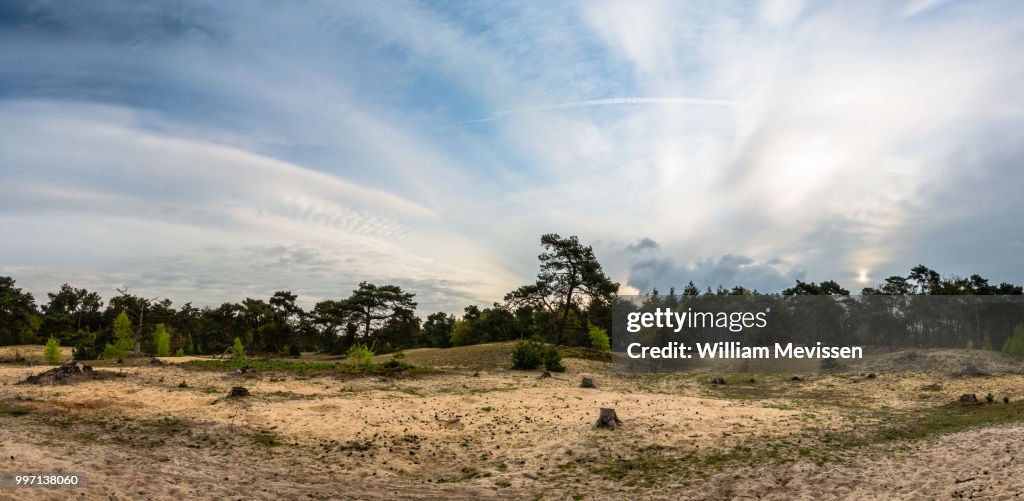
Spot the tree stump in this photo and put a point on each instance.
(718, 380)
(969, 399)
(237, 392)
(589, 383)
(75, 365)
(607, 418)
(545, 374)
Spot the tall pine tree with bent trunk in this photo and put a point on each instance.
(570, 277)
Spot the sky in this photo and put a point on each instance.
(211, 151)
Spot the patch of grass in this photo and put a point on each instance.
(302, 367)
(357, 445)
(267, 439)
(291, 395)
(467, 473)
(584, 353)
(13, 410)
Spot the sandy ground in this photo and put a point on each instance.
(985, 463)
(467, 433)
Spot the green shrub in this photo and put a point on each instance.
(397, 365)
(237, 350)
(527, 354)
(52, 351)
(361, 355)
(599, 339)
(124, 341)
(552, 360)
(162, 341)
(970, 344)
(461, 333)
(179, 353)
(986, 342)
(86, 348)
(294, 351)
(1015, 344)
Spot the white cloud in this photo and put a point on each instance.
(135, 204)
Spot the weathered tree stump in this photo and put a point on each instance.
(796, 378)
(69, 371)
(871, 376)
(607, 418)
(76, 366)
(969, 399)
(718, 380)
(545, 374)
(238, 392)
(588, 383)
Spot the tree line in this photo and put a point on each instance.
(571, 294)
(570, 298)
(922, 309)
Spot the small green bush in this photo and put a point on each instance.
(237, 350)
(990, 398)
(1015, 344)
(599, 339)
(52, 352)
(986, 342)
(182, 384)
(397, 365)
(86, 348)
(162, 341)
(552, 360)
(970, 344)
(124, 341)
(179, 353)
(359, 354)
(527, 354)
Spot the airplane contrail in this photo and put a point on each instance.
(614, 101)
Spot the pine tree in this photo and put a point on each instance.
(124, 340)
(52, 352)
(162, 341)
